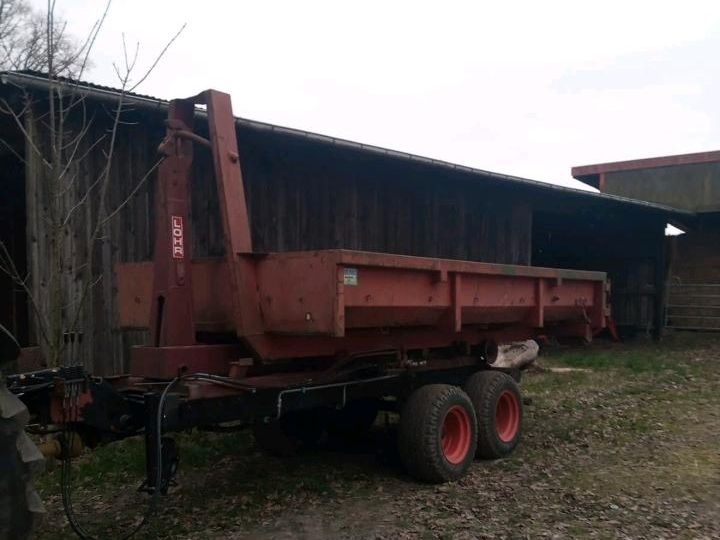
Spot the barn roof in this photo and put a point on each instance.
(30, 79)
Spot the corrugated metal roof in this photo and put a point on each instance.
(29, 78)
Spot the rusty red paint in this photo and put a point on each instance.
(171, 303)
(168, 362)
(233, 211)
(65, 410)
(302, 296)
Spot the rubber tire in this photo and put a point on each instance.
(20, 460)
(292, 434)
(484, 389)
(354, 421)
(420, 432)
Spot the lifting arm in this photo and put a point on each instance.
(171, 319)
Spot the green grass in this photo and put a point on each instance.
(124, 461)
(638, 356)
(633, 359)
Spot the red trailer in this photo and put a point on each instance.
(293, 343)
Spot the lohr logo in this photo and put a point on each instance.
(178, 241)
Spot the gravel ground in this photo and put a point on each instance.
(624, 444)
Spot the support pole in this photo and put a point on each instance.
(171, 316)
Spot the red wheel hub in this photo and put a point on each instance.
(507, 416)
(456, 430)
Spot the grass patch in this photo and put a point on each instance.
(124, 461)
(676, 353)
(634, 360)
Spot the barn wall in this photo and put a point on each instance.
(303, 196)
(696, 254)
(694, 277)
(94, 341)
(693, 187)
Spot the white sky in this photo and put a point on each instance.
(529, 88)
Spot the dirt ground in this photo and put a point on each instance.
(623, 445)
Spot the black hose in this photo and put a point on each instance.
(66, 470)
(66, 467)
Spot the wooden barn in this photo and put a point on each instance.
(307, 191)
(687, 182)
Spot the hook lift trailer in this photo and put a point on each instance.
(286, 342)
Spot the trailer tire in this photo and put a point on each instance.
(499, 411)
(437, 435)
(20, 460)
(290, 434)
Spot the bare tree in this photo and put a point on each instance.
(24, 43)
(62, 136)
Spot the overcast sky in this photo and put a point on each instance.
(527, 88)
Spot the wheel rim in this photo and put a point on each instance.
(456, 431)
(507, 416)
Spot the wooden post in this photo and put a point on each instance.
(660, 285)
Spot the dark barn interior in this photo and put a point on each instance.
(308, 192)
(623, 242)
(13, 305)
